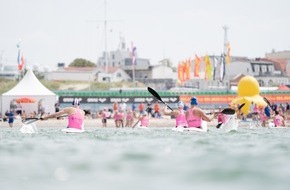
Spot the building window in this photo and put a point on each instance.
(257, 69)
(271, 68)
(264, 69)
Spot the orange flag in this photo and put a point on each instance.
(186, 66)
(228, 57)
(196, 66)
(180, 72)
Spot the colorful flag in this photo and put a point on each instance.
(196, 66)
(208, 68)
(228, 57)
(180, 73)
(186, 67)
(20, 60)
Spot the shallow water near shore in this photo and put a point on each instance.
(157, 158)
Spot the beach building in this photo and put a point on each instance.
(266, 72)
(9, 71)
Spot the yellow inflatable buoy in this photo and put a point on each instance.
(248, 93)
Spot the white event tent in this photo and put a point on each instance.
(30, 87)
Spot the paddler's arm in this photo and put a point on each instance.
(168, 112)
(205, 117)
(65, 111)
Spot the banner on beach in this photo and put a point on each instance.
(107, 100)
(226, 99)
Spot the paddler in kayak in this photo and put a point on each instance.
(75, 115)
(195, 115)
(179, 115)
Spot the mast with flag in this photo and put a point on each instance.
(225, 58)
(20, 59)
(133, 61)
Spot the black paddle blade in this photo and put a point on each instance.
(154, 93)
(219, 125)
(29, 120)
(241, 106)
(228, 111)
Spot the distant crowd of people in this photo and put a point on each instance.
(125, 116)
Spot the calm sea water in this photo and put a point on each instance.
(157, 158)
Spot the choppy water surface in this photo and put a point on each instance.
(158, 158)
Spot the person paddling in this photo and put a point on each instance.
(195, 115)
(75, 115)
(179, 115)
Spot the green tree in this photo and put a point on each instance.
(79, 62)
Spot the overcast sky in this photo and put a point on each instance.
(53, 31)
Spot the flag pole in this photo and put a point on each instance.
(224, 53)
(18, 60)
(133, 62)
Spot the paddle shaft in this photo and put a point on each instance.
(32, 120)
(267, 101)
(135, 124)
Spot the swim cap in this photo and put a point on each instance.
(180, 104)
(144, 113)
(193, 101)
(76, 102)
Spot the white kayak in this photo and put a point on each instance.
(72, 130)
(231, 123)
(142, 127)
(29, 128)
(193, 129)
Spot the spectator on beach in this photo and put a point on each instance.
(103, 115)
(10, 116)
(133, 107)
(123, 106)
(23, 115)
(179, 114)
(33, 114)
(18, 109)
(149, 109)
(156, 110)
(115, 107)
(118, 118)
(141, 107)
(76, 115)
(195, 115)
(129, 118)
